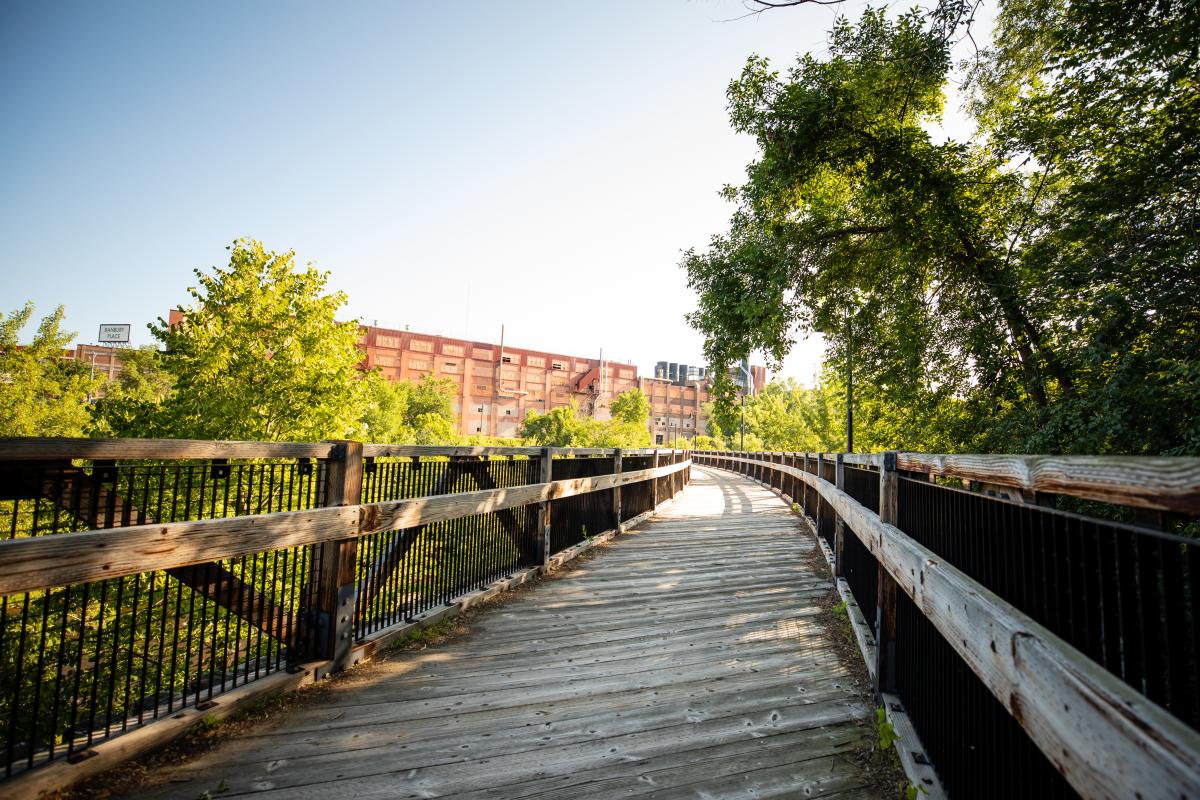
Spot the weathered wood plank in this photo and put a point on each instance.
(37, 448)
(1106, 738)
(70, 558)
(427, 510)
(1167, 484)
(73, 558)
(711, 673)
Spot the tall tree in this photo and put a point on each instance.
(132, 402)
(41, 393)
(406, 412)
(632, 407)
(1033, 287)
(259, 354)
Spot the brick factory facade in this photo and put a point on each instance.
(495, 385)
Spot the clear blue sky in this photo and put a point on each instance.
(456, 166)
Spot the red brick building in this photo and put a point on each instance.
(497, 384)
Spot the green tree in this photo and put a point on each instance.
(41, 393)
(133, 401)
(558, 427)
(632, 407)
(404, 412)
(260, 355)
(1032, 288)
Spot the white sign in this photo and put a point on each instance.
(115, 333)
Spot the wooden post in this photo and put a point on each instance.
(654, 483)
(885, 612)
(547, 470)
(839, 529)
(822, 507)
(336, 589)
(617, 492)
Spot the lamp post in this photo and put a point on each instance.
(849, 386)
(742, 439)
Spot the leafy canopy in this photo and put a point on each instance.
(259, 354)
(41, 393)
(407, 412)
(1032, 288)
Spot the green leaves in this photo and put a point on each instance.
(1029, 290)
(41, 393)
(259, 354)
(403, 412)
(564, 427)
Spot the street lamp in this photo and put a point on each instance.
(849, 386)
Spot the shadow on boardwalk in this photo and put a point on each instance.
(685, 661)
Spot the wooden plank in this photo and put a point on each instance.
(885, 593)
(410, 450)
(36, 448)
(1166, 484)
(598, 678)
(36, 563)
(73, 558)
(336, 587)
(399, 514)
(1106, 738)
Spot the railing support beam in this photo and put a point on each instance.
(885, 612)
(336, 589)
(547, 467)
(839, 526)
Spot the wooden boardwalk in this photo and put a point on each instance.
(684, 661)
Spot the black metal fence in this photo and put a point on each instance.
(636, 498)
(1124, 596)
(82, 663)
(403, 573)
(577, 518)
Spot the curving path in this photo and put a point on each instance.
(684, 661)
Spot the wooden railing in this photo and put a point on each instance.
(1036, 651)
(148, 580)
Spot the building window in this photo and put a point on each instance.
(387, 341)
(421, 345)
(452, 349)
(449, 366)
(508, 412)
(535, 361)
(478, 429)
(506, 359)
(556, 365)
(627, 374)
(418, 363)
(482, 355)
(480, 387)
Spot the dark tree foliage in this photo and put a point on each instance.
(1032, 289)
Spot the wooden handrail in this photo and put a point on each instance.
(1163, 483)
(72, 558)
(1104, 736)
(58, 448)
(37, 448)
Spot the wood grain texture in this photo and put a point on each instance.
(1167, 484)
(627, 675)
(1161, 483)
(32, 448)
(1106, 738)
(426, 510)
(72, 558)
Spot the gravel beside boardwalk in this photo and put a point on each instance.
(684, 661)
